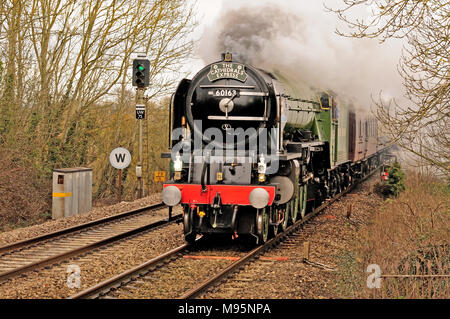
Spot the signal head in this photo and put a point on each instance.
(141, 72)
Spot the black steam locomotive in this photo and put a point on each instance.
(252, 151)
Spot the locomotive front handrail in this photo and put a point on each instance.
(236, 118)
(207, 86)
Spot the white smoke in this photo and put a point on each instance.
(298, 37)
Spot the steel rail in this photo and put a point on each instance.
(27, 242)
(123, 278)
(192, 293)
(116, 281)
(83, 249)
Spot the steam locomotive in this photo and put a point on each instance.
(252, 151)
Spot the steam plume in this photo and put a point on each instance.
(298, 39)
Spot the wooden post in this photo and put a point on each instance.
(349, 210)
(306, 250)
(119, 195)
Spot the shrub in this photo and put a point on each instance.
(24, 199)
(395, 184)
(396, 180)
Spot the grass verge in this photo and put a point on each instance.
(408, 239)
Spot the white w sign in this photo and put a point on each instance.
(120, 158)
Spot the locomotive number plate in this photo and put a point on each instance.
(224, 93)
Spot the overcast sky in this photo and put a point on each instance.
(207, 11)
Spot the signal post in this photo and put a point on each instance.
(141, 80)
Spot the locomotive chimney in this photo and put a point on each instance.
(226, 57)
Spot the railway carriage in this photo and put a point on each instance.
(252, 151)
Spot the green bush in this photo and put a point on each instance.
(396, 181)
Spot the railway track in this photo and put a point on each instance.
(181, 273)
(167, 275)
(41, 251)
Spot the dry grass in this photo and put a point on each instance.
(408, 235)
(23, 199)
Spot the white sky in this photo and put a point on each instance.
(207, 11)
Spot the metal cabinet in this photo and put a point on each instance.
(72, 191)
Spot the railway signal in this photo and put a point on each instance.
(141, 75)
(141, 79)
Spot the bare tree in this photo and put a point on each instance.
(64, 73)
(423, 126)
